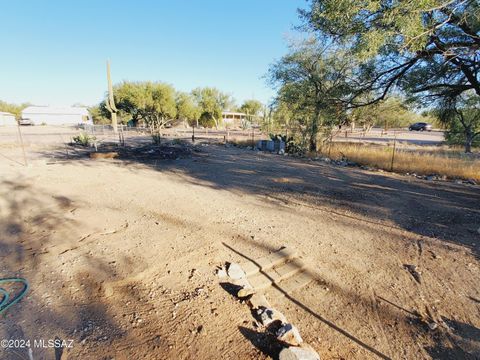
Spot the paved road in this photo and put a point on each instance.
(402, 135)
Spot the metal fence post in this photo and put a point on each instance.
(23, 146)
(394, 146)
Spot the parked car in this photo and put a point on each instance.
(25, 122)
(420, 126)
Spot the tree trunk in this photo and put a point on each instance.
(468, 142)
(314, 131)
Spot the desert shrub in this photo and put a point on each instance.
(83, 139)
(291, 146)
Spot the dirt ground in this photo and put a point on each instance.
(121, 257)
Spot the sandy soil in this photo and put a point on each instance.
(121, 257)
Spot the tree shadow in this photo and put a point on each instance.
(435, 209)
(306, 308)
(459, 341)
(57, 305)
(455, 340)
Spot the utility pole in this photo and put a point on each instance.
(110, 102)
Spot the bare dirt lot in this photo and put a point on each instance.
(121, 256)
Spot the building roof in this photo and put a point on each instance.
(53, 110)
(232, 113)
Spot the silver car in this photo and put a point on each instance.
(25, 122)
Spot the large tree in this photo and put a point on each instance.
(461, 116)
(152, 102)
(312, 80)
(251, 107)
(430, 48)
(187, 109)
(211, 102)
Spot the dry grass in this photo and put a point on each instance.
(423, 161)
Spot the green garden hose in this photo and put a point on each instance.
(4, 302)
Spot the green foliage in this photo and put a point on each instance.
(251, 107)
(13, 108)
(83, 139)
(187, 109)
(312, 82)
(390, 113)
(461, 117)
(99, 114)
(206, 120)
(211, 102)
(291, 146)
(150, 102)
(428, 48)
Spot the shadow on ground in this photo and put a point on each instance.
(435, 209)
(452, 339)
(57, 306)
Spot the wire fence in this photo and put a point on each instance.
(26, 144)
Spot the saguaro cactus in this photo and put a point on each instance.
(110, 102)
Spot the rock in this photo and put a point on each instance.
(257, 301)
(298, 353)
(269, 315)
(289, 334)
(235, 271)
(325, 159)
(221, 273)
(430, 177)
(281, 152)
(458, 182)
(246, 291)
(471, 182)
(432, 326)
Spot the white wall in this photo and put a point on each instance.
(56, 119)
(7, 120)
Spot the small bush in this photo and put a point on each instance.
(83, 139)
(291, 146)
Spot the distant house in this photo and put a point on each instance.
(50, 115)
(7, 119)
(233, 118)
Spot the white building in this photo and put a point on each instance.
(233, 118)
(7, 119)
(50, 115)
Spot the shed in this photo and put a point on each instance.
(50, 115)
(7, 119)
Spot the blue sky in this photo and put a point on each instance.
(54, 52)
